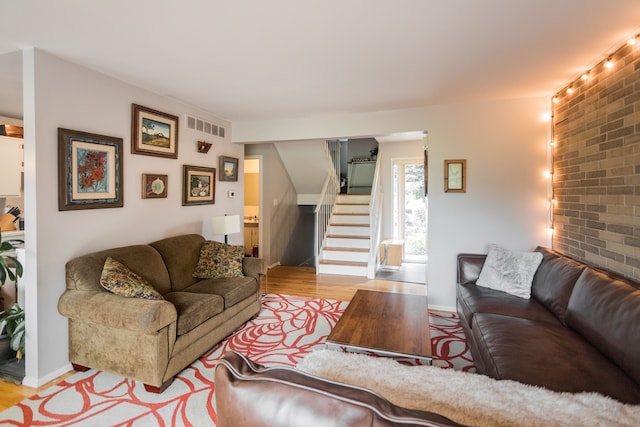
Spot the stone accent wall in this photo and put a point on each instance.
(596, 166)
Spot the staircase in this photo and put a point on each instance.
(347, 242)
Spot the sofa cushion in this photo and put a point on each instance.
(193, 309)
(118, 279)
(476, 299)
(180, 254)
(219, 260)
(605, 310)
(231, 289)
(83, 272)
(554, 281)
(509, 271)
(547, 355)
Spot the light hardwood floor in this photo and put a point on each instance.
(300, 281)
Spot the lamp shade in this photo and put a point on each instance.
(228, 224)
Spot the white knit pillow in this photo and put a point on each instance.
(509, 271)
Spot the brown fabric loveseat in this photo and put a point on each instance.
(152, 340)
(579, 331)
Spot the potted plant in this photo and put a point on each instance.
(11, 320)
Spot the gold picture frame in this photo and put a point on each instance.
(455, 176)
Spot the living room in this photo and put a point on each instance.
(505, 142)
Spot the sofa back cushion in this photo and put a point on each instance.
(83, 272)
(180, 254)
(554, 281)
(605, 310)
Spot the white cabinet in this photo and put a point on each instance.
(10, 166)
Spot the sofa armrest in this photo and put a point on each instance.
(287, 394)
(469, 267)
(104, 308)
(253, 267)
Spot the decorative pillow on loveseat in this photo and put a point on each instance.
(118, 279)
(509, 271)
(219, 260)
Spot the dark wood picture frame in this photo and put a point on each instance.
(90, 172)
(455, 176)
(153, 133)
(154, 186)
(228, 168)
(199, 185)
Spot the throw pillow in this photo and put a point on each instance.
(118, 279)
(219, 260)
(509, 271)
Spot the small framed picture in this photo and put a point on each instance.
(89, 171)
(153, 133)
(455, 176)
(154, 186)
(199, 185)
(228, 168)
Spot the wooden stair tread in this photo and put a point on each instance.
(351, 213)
(352, 204)
(342, 224)
(341, 249)
(347, 236)
(345, 263)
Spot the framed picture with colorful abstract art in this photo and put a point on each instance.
(89, 171)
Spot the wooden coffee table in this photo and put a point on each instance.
(384, 323)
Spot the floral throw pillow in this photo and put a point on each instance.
(118, 279)
(219, 260)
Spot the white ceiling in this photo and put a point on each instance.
(247, 60)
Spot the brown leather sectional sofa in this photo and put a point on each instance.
(579, 332)
(251, 395)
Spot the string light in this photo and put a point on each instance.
(608, 64)
(547, 174)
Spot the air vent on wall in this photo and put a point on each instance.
(200, 125)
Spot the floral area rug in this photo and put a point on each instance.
(286, 329)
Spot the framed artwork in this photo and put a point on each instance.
(153, 133)
(154, 186)
(455, 176)
(199, 185)
(89, 171)
(228, 168)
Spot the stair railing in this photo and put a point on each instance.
(375, 217)
(327, 200)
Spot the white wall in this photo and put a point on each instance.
(504, 143)
(61, 94)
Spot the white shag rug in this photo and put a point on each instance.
(468, 398)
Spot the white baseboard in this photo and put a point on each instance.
(37, 382)
(442, 308)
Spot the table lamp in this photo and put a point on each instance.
(228, 224)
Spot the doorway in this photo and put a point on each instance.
(410, 208)
(253, 206)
